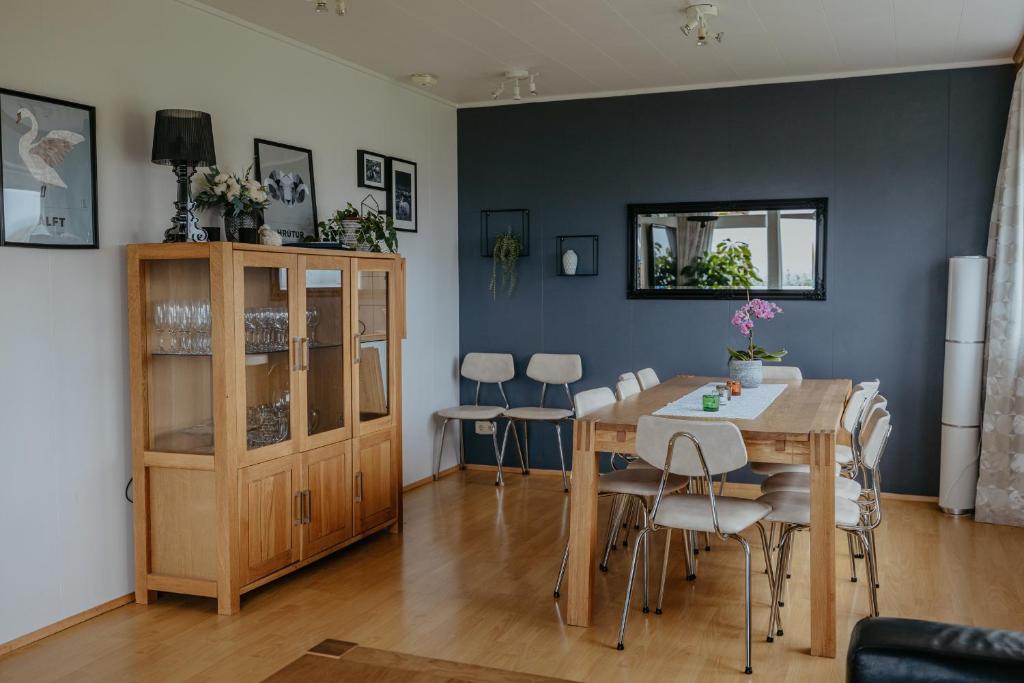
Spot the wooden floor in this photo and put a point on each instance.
(470, 581)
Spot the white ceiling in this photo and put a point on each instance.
(583, 47)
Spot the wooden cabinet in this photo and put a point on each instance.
(376, 499)
(266, 410)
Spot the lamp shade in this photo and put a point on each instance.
(183, 136)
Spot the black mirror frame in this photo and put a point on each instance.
(819, 204)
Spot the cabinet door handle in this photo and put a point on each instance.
(305, 346)
(359, 487)
(297, 345)
(307, 496)
(297, 505)
(358, 351)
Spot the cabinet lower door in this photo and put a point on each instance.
(376, 494)
(328, 477)
(270, 513)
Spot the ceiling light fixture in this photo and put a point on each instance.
(340, 7)
(514, 76)
(424, 80)
(697, 20)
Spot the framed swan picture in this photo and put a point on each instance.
(287, 171)
(48, 172)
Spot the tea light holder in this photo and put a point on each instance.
(711, 402)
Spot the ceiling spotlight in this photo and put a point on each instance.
(321, 6)
(514, 76)
(424, 80)
(339, 7)
(697, 20)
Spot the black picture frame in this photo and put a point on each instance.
(565, 241)
(361, 177)
(90, 111)
(396, 187)
(517, 220)
(817, 293)
(288, 231)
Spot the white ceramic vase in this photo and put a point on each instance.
(569, 262)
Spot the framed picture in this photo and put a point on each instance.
(372, 169)
(48, 172)
(402, 194)
(287, 171)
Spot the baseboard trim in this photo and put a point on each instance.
(67, 622)
(430, 480)
(514, 470)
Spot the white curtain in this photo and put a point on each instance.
(694, 240)
(1000, 497)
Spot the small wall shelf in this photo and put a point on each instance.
(585, 247)
(499, 221)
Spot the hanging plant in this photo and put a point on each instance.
(507, 249)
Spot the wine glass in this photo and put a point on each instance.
(312, 320)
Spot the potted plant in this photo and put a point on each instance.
(728, 266)
(506, 252)
(745, 365)
(241, 198)
(341, 227)
(375, 230)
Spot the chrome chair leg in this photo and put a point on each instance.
(462, 447)
(746, 576)
(561, 570)
(519, 449)
(874, 556)
(614, 517)
(780, 569)
(647, 565)
(499, 455)
(664, 570)
(853, 558)
(561, 456)
(526, 442)
(767, 552)
(629, 590)
(440, 449)
(690, 562)
(869, 558)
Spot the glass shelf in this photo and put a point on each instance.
(314, 347)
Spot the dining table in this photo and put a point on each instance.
(802, 425)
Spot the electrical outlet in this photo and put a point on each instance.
(484, 427)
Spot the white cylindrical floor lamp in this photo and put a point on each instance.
(962, 383)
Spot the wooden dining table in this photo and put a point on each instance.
(802, 425)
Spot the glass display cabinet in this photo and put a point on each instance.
(266, 410)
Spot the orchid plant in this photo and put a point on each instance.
(743, 320)
(235, 195)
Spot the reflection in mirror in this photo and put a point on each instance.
(373, 345)
(723, 249)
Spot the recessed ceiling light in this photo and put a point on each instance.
(424, 80)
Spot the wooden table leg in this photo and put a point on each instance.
(582, 525)
(823, 545)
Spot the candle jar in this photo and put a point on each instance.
(735, 387)
(711, 403)
(724, 393)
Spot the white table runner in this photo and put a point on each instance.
(746, 406)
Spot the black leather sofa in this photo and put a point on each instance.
(913, 651)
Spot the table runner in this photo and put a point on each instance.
(747, 406)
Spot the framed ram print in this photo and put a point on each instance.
(287, 172)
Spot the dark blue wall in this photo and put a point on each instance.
(907, 161)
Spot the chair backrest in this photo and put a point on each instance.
(720, 442)
(627, 375)
(855, 405)
(488, 367)
(786, 373)
(555, 368)
(875, 434)
(592, 399)
(625, 388)
(648, 378)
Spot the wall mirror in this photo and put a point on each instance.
(719, 250)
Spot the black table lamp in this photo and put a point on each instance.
(183, 138)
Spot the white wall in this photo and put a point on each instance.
(64, 426)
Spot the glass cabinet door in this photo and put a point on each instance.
(269, 344)
(374, 334)
(177, 341)
(326, 359)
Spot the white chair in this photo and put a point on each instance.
(625, 388)
(634, 486)
(793, 511)
(648, 378)
(627, 375)
(781, 373)
(482, 368)
(547, 368)
(852, 416)
(700, 450)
